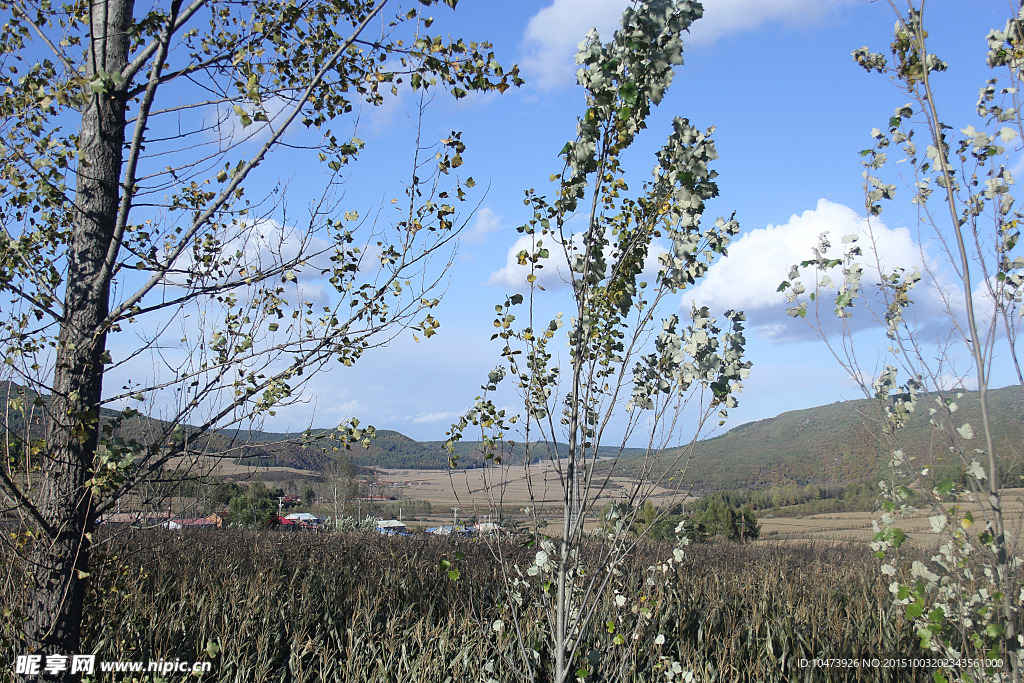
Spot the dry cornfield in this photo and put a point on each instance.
(331, 607)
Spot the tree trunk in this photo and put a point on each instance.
(61, 555)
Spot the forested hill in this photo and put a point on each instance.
(842, 443)
(836, 443)
(391, 450)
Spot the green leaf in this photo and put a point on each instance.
(628, 92)
(995, 631)
(894, 536)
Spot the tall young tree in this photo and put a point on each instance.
(632, 365)
(129, 138)
(966, 601)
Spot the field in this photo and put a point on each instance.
(302, 606)
(479, 492)
(317, 607)
(474, 493)
(857, 526)
(273, 606)
(286, 606)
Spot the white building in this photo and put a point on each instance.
(305, 518)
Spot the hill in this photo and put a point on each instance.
(390, 450)
(839, 443)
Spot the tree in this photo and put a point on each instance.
(252, 510)
(342, 486)
(719, 515)
(627, 365)
(964, 601)
(748, 526)
(692, 531)
(224, 492)
(718, 519)
(130, 136)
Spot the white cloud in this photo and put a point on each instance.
(381, 119)
(429, 418)
(552, 35)
(484, 223)
(319, 407)
(313, 293)
(748, 279)
(554, 270)
(957, 381)
(257, 246)
(230, 131)
(1017, 169)
(987, 316)
(724, 17)
(397, 110)
(344, 410)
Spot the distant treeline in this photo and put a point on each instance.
(807, 499)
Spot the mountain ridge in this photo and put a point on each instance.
(837, 443)
(841, 443)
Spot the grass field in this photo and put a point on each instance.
(275, 606)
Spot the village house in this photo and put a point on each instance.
(391, 526)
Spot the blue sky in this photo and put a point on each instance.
(791, 109)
